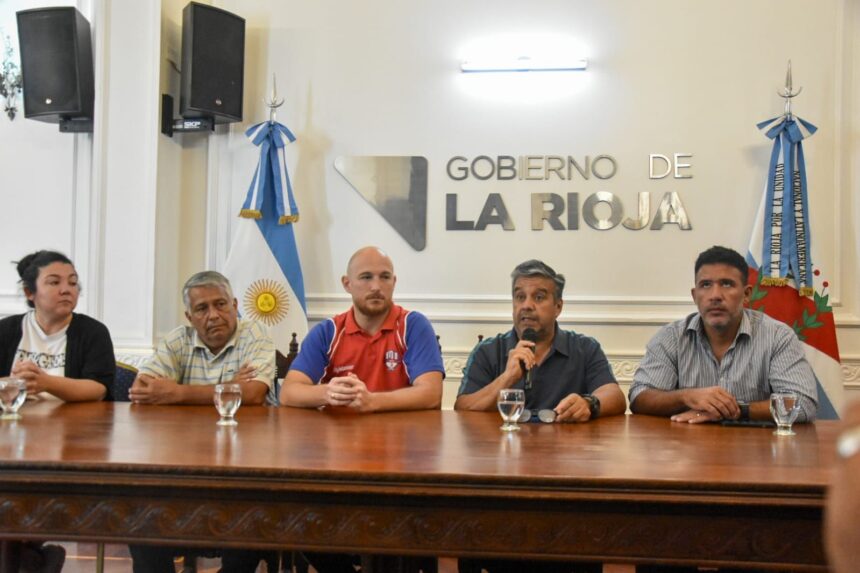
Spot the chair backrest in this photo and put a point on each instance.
(283, 362)
(125, 375)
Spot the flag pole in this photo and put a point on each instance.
(274, 103)
(788, 92)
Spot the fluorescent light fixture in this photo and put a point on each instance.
(555, 63)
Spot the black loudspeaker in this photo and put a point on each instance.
(213, 63)
(56, 64)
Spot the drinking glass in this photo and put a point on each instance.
(13, 392)
(784, 407)
(511, 403)
(228, 398)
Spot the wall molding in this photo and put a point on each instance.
(133, 358)
(496, 309)
(624, 365)
(343, 298)
(851, 372)
(93, 206)
(11, 302)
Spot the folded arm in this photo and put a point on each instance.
(153, 390)
(67, 389)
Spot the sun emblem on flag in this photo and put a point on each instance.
(267, 301)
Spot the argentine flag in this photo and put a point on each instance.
(263, 265)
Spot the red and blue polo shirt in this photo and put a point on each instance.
(404, 348)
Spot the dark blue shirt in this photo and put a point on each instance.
(574, 364)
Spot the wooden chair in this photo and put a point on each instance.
(283, 362)
(122, 381)
(296, 562)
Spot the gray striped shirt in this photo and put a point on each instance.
(182, 357)
(765, 357)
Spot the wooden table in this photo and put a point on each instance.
(623, 489)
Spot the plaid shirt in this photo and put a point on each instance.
(181, 356)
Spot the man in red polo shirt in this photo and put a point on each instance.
(374, 357)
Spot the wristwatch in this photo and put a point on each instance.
(745, 410)
(593, 405)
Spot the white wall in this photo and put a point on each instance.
(182, 183)
(381, 78)
(37, 169)
(93, 195)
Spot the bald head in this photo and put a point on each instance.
(365, 255)
(370, 280)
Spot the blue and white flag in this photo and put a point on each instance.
(263, 265)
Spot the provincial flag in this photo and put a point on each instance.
(786, 286)
(263, 265)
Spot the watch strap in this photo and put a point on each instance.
(593, 404)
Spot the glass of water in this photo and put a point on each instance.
(784, 407)
(13, 392)
(228, 398)
(511, 403)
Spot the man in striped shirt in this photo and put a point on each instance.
(216, 348)
(724, 361)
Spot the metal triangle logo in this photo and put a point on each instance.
(396, 186)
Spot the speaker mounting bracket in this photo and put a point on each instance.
(76, 125)
(169, 125)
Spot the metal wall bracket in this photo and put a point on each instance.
(169, 125)
(76, 125)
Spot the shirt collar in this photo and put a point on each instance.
(698, 327)
(559, 340)
(352, 327)
(197, 343)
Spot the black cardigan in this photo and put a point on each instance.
(89, 350)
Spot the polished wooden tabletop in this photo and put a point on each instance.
(305, 470)
(434, 445)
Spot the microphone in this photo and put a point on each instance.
(529, 334)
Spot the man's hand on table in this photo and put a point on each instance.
(151, 390)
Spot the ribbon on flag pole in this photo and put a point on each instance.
(786, 248)
(263, 265)
(271, 137)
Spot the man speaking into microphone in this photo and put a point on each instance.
(565, 375)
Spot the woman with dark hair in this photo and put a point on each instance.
(60, 354)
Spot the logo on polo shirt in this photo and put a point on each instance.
(392, 360)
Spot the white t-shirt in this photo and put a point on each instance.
(48, 352)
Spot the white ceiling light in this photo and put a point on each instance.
(549, 63)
